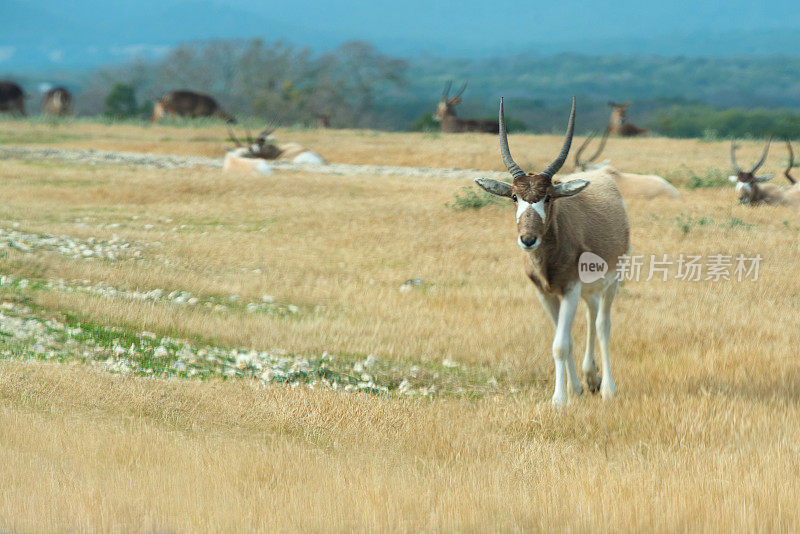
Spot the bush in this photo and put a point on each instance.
(470, 198)
(711, 123)
(425, 123)
(121, 103)
(711, 178)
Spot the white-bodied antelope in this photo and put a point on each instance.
(646, 186)
(263, 147)
(557, 224)
(446, 115)
(754, 191)
(618, 122)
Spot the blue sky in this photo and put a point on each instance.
(92, 31)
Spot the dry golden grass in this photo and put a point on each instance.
(701, 437)
(467, 151)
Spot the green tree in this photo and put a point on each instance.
(121, 102)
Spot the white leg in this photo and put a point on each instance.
(607, 388)
(589, 364)
(552, 306)
(562, 344)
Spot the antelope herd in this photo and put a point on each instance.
(559, 220)
(750, 189)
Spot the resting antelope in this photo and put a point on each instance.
(57, 101)
(264, 148)
(557, 223)
(619, 125)
(188, 104)
(753, 191)
(630, 185)
(446, 115)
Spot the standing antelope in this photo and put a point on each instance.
(647, 186)
(188, 104)
(446, 115)
(557, 223)
(619, 125)
(753, 191)
(57, 101)
(12, 98)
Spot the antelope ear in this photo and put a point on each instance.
(733, 179)
(568, 189)
(495, 187)
(763, 178)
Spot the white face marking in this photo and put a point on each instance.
(743, 187)
(523, 206)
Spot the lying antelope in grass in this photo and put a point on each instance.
(753, 191)
(630, 185)
(560, 223)
(251, 157)
(446, 115)
(618, 123)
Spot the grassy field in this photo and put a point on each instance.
(124, 408)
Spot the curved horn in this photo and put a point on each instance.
(271, 126)
(263, 134)
(447, 85)
(460, 91)
(249, 137)
(734, 166)
(791, 163)
(554, 167)
(763, 157)
(233, 135)
(512, 167)
(600, 147)
(578, 162)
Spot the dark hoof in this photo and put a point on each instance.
(593, 387)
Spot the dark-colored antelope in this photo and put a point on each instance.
(619, 125)
(189, 104)
(563, 226)
(754, 191)
(645, 186)
(57, 101)
(12, 98)
(446, 115)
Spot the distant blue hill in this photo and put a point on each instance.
(53, 34)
